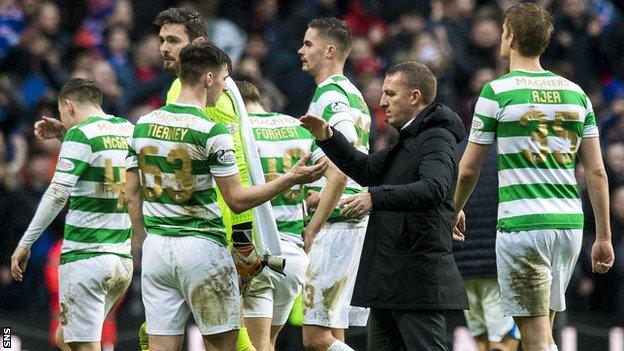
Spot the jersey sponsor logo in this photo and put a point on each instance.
(339, 106)
(231, 128)
(226, 157)
(477, 123)
(65, 165)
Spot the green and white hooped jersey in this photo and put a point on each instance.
(337, 100)
(539, 120)
(92, 162)
(178, 150)
(281, 142)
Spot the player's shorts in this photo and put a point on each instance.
(88, 290)
(184, 275)
(485, 315)
(329, 282)
(534, 269)
(271, 294)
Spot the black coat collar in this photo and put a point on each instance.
(417, 123)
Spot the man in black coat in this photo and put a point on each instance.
(407, 273)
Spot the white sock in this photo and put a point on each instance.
(554, 347)
(339, 346)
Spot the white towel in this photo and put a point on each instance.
(266, 236)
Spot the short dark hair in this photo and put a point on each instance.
(248, 91)
(81, 90)
(417, 76)
(532, 27)
(190, 19)
(335, 30)
(199, 58)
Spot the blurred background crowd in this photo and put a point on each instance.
(43, 43)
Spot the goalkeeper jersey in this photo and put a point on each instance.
(92, 162)
(225, 113)
(281, 142)
(539, 120)
(178, 149)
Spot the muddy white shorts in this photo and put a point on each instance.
(184, 275)
(334, 261)
(485, 315)
(88, 290)
(534, 269)
(271, 294)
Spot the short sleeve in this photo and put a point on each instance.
(74, 159)
(220, 152)
(484, 120)
(316, 152)
(590, 130)
(132, 160)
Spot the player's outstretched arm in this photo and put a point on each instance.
(239, 198)
(598, 188)
(49, 128)
(134, 201)
(336, 183)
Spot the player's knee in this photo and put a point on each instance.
(314, 340)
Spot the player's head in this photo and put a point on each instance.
(407, 89)
(327, 41)
(178, 27)
(77, 94)
(527, 29)
(249, 92)
(203, 64)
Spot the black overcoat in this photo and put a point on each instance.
(406, 261)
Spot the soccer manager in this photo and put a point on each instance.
(407, 274)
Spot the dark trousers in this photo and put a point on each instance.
(406, 330)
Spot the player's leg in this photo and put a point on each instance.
(535, 331)
(338, 333)
(166, 310)
(475, 320)
(565, 254)
(85, 346)
(165, 342)
(258, 309)
(225, 341)
(525, 277)
(259, 329)
(499, 327)
(334, 259)
(209, 284)
(287, 288)
(483, 344)
(84, 289)
(58, 337)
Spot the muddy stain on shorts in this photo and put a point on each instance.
(331, 295)
(211, 299)
(115, 284)
(65, 306)
(529, 282)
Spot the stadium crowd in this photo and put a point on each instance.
(45, 43)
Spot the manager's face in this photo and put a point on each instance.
(398, 100)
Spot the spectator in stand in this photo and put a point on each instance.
(224, 33)
(113, 98)
(150, 80)
(614, 163)
(612, 126)
(271, 96)
(118, 55)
